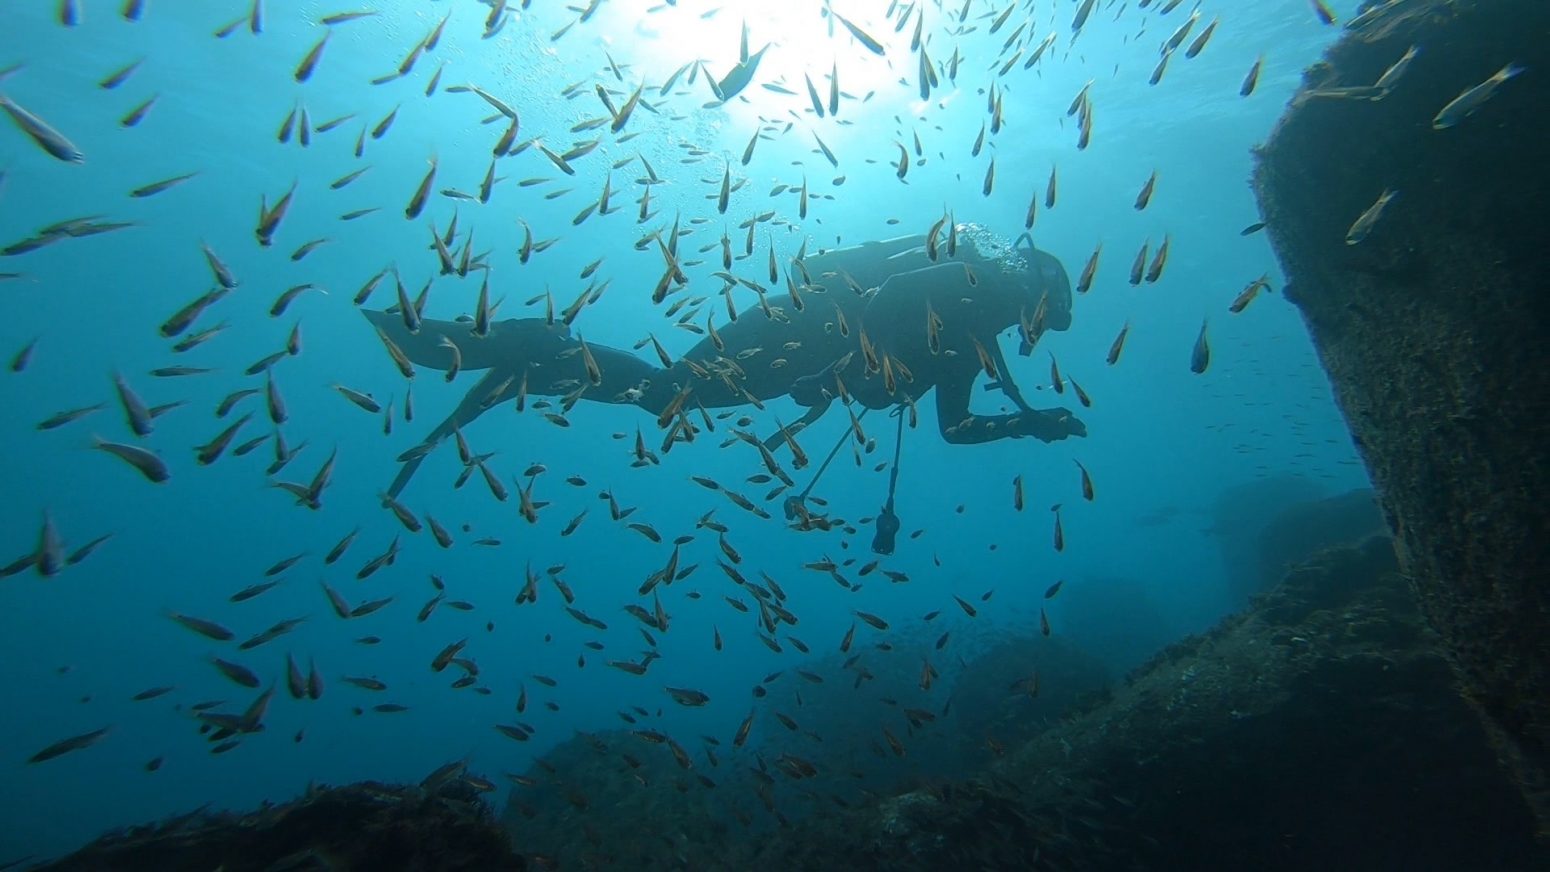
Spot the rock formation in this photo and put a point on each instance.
(1433, 329)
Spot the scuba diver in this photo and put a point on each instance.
(878, 325)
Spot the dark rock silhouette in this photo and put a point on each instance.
(440, 824)
(1433, 328)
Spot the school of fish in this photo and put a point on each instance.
(476, 260)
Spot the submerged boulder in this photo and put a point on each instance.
(1264, 526)
(1299, 531)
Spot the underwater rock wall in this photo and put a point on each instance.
(1434, 328)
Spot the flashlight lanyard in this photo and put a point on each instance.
(898, 446)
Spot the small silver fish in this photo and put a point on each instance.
(47, 138)
(1200, 357)
(65, 746)
(1368, 219)
(1391, 75)
(147, 463)
(1465, 104)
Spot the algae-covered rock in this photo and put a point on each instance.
(618, 800)
(1433, 328)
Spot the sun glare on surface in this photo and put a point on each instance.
(798, 38)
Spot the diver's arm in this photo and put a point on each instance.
(1006, 384)
(959, 426)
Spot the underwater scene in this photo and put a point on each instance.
(636, 434)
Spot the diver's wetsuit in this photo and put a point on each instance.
(883, 290)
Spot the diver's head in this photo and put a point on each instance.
(1047, 278)
(1026, 274)
(1054, 282)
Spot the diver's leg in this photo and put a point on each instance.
(512, 343)
(496, 385)
(961, 427)
(627, 378)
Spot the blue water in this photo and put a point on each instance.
(76, 647)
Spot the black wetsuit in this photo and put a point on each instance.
(793, 342)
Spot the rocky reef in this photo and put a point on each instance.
(438, 825)
(1433, 328)
(1319, 729)
(1322, 727)
(628, 798)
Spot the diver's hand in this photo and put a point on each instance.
(1051, 425)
